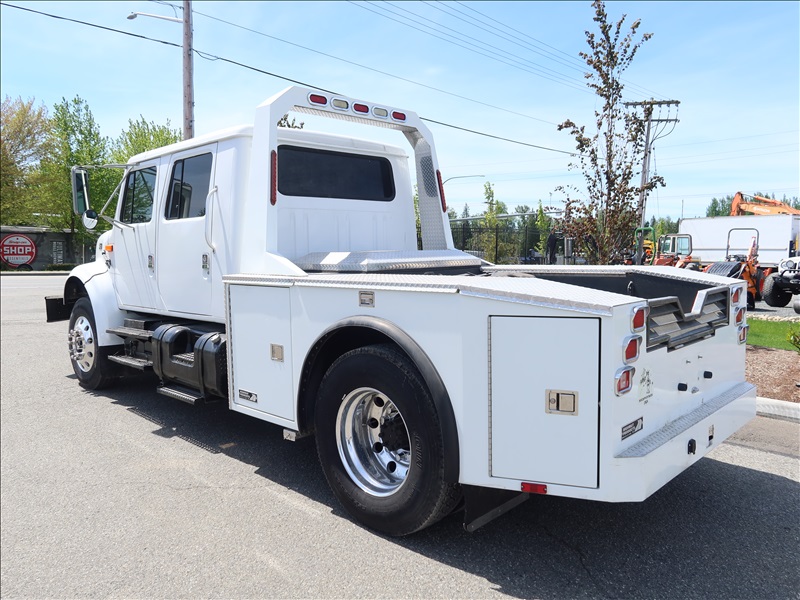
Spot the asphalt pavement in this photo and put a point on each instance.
(126, 493)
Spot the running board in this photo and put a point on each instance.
(135, 363)
(182, 394)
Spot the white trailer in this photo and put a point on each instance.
(279, 270)
(716, 238)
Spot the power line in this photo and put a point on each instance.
(209, 56)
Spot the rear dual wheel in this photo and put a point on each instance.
(380, 444)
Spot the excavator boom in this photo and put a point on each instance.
(758, 205)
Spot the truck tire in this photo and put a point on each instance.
(372, 404)
(773, 294)
(89, 360)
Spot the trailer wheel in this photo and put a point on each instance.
(89, 361)
(773, 294)
(380, 444)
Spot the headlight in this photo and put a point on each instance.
(787, 264)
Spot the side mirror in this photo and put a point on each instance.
(89, 219)
(80, 191)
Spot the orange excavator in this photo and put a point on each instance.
(759, 205)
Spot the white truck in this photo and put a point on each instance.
(716, 238)
(280, 270)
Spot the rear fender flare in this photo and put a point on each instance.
(376, 330)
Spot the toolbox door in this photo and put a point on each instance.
(260, 340)
(544, 402)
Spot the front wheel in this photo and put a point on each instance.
(380, 443)
(89, 360)
(773, 294)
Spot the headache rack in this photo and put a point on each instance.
(668, 326)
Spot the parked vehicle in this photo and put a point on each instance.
(779, 287)
(279, 270)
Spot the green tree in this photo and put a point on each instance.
(544, 224)
(23, 141)
(74, 140)
(719, 207)
(490, 240)
(612, 155)
(141, 136)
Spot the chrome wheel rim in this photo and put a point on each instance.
(373, 442)
(82, 347)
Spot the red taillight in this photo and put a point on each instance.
(441, 190)
(317, 99)
(398, 116)
(534, 488)
(736, 295)
(639, 318)
(739, 315)
(623, 381)
(273, 178)
(743, 334)
(361, 108)
(631, 352)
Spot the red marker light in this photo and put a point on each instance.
(398, 116)
(441, 190)
(631, 352)
(639, 318)
(534, 488)
(273, 178)
(736, 295)
(361, 108)
(739, 318)
(317, 99)
(624, 380)
(743, 334)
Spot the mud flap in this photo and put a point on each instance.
(482, 504)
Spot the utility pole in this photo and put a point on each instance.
(188, 63)
(651, 104)
(188, 72)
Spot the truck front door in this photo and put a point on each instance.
(134, 240)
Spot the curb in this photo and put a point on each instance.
(778, 409)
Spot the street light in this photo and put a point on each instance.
(188, 64)
(461, 177)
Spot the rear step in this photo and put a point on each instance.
(180, 393)
(129, 361)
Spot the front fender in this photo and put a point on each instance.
(94, 280)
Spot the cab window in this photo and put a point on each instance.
(189, 185)
(137, 202)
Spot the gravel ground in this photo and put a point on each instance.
(775, 373)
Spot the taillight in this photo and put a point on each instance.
(361, 108)
(380, 112)
(273, 178)
(534, 488)
(736, 295)
(398, 116)
(441, 190)
(317, 99)
(743, 334)
(631, 349)
(340, 104)
(739, 315)
(623, 380)
(639, 318)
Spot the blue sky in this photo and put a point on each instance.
(513, 73)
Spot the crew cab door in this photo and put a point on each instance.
(185, 265)
(133, 240)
